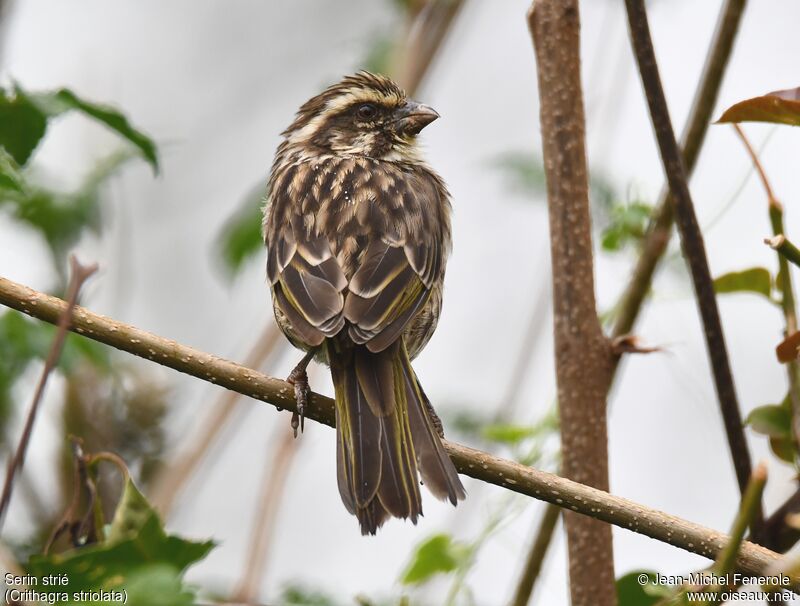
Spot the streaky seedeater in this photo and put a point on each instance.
(357, 229)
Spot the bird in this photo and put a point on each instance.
(357, 231)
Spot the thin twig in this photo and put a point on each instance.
(533, 564)
(660, 229)
(173, 479)
(748, 509)
(582, 352)
(775, 209)
(276, 473)
(751, 502)
(506, 474)
(79, 275)
(425, 36)
(692, 244)
(771, 199)
(785, 248)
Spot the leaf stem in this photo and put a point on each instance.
(784, 280)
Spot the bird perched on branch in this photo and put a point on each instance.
(357, 230)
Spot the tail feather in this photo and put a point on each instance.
(361, 435)
(385, 438)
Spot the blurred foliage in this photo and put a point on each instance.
(631, 592)
(779, 107)
(524, 172)
(437, 554)
(775, 422)
(125, 410)
(300, 595)
(61, 218)
(627, 225)
(380, 53)
(23, 341)
(137, 556)
(24, 118)
(528, 444)
(754, 280)
(240, 237)
(108, 403)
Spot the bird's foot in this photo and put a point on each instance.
(298, 378)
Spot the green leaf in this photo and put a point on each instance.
(772, 420)
(132, 515)
(52, 104)
(138, 556)
(779, 107)
(632, 592)
(438, 554)
(507, 433)
(627, 225)
(756, 280)
(240, 238)
(22, 126)
(10, 176)
(783, 448)
(298, 595)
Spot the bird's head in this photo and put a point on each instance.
(363, 115)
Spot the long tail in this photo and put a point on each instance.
(385, 436)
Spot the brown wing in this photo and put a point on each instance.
(399, 268)
(306, 279)
(371, 222)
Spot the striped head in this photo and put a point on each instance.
(364, 115)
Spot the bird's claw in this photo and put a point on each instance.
(299, 379)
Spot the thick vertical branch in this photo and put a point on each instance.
(583, 354)
(691, 242)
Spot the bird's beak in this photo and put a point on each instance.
(412, 117)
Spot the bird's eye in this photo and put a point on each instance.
(367, 111)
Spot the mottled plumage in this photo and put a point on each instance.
(357, 231)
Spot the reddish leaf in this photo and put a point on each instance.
(787, 349)
(779, 107)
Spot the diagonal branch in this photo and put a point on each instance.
(692, 244)
(660, 228)
(483, 466)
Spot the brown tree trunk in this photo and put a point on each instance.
(583, 354)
